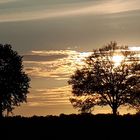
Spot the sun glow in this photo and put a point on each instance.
(82, 56)
(134, 48)
(117, 59)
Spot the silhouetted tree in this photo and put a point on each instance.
(112, 75)
(14, 83)
(85, 104)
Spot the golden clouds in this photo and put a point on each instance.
(50, 97)
(53, 64)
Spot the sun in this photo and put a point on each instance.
(117, 59)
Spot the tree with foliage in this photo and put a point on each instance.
(14, 83)
(85, 104)
(111, 76)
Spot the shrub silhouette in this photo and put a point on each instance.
(14, 83)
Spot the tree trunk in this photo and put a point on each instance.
(114, 111)
(1, 114)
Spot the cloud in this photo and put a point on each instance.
(46, 97)
(7, 1)
(59, 68)
(43, 58)
(54, 64)
(67, 10)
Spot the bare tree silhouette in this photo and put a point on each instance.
(14, 83)
(111, 75)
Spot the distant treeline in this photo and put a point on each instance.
(72, 126)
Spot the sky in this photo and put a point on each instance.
(55, 35)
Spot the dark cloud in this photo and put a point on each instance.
(44, 58)
(64, 75)
(29, 69)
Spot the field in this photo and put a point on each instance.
(72, 126)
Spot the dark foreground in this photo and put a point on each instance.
(83, 126)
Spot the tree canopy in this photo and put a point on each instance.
(110, 76)
(14, 83)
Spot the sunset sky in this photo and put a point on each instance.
(55, 35)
